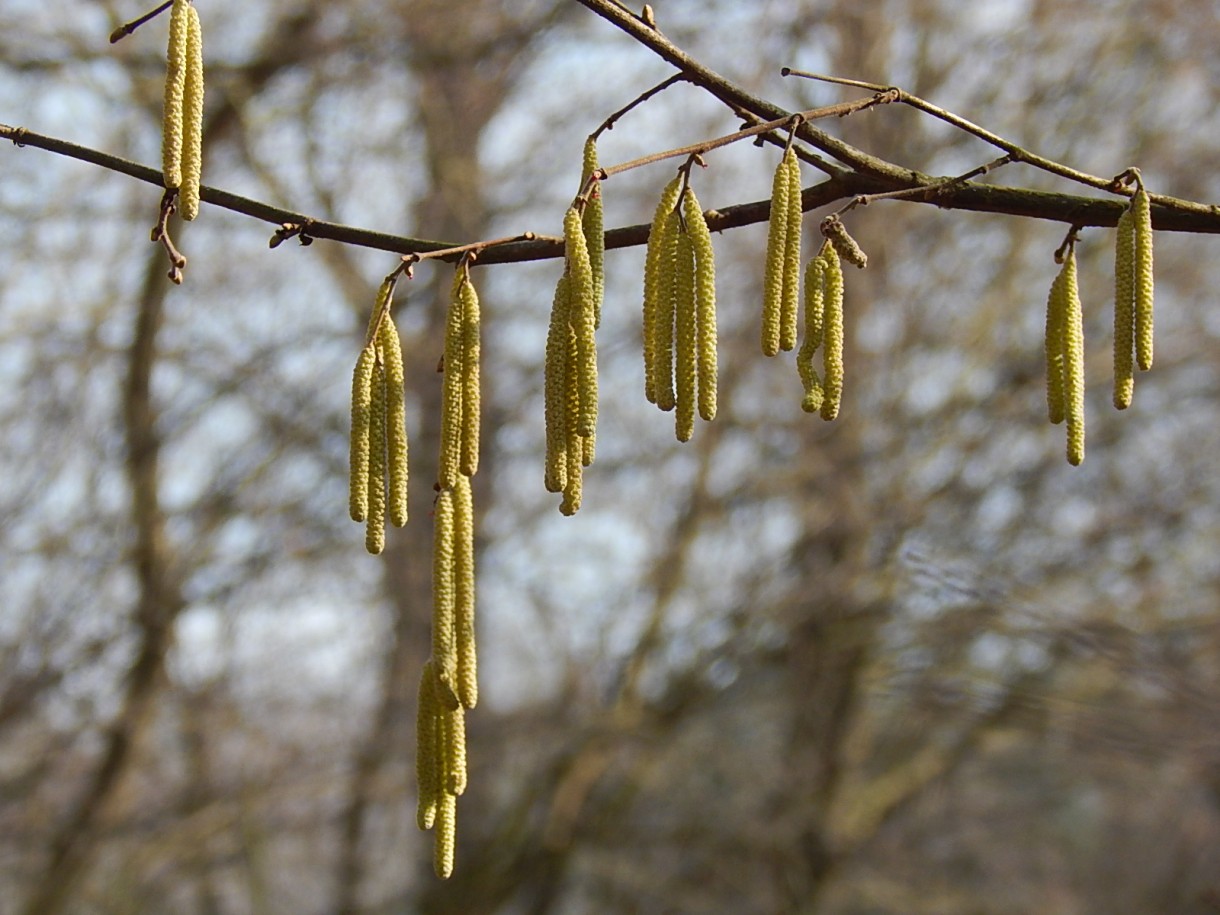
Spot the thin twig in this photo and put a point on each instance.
(927, 191)
(469, 253)
(127, 28)
(1017, 153)
(160, 232)
(608, 123)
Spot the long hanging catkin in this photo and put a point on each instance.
(175, 84)
(775, 277)
(705, 303)
(1056, 315)
(444, 601)
(426, 751)
(471, 396)
(362, 412)
(792, 255)
(192, 117)
(1124, 311)
(374, 537)
(685, 344)
(453, 387)
(1141, 217)
(389, 347)
(464, 593)
(555, 389)
(593, 224)
(832, 335)
(656, 267)
(815, 286)
(663, 321)
(582, 318)
(1073, 361)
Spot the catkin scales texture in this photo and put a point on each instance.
(1124, 312)
(777, 250)
(175, 86)
(1141, 218)
(192, 117)
(654, 268)
(705, 304)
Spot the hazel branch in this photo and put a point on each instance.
(128, 27)
(608, 123)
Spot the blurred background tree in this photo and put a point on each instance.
(908, 662)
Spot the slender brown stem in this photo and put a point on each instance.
(127, 28)
(608, 123)
(468, 252)
(927, 191)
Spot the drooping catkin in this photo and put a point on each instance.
(374, 534)
(444, 601)
(705, 303)
(774, 278)
(390, 349)
(815, 285)
(663, 322)
(832, 335)
(175, 82)
(446, 836)
(471, 396)
(362, 403)
(455, 751)
(593, 223)
(653, 270)
(1141, 217)
(453, 388)
(555, 389)
(1073, 360)
(1124, 311)
(573, 490)
(426, 751)
(792, 256)
(464, 593)
(192, 117)
(582, 319)
(685, 344)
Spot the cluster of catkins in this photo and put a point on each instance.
(1133, 296)
(182, 118)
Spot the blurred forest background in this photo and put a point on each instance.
(908, 662)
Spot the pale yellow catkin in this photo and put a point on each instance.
(175, 83)
(1073, 361)
(555, 370)
(471, 394)
(444, 601)
(452, 389)
(705, 304)
(390, 348)
(464, 594)
(653, 281)
(1124, 312)
(792, 256)
(446, 836)
(593, 223)
(1056, 310)
(455, 751)
(582, 319)
(1141, 217)
(573, 490)
(773, 280)
(426, 753)
(832, 336)
(685, 344)
(815, 283)
(358, 463)
(374, 534)
(192, 117)
(663, 323)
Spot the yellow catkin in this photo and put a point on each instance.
(455, 751)
(374, 534)
(453, 388)
(663, 324)
(426, 753)
(573, 490)
(395, 419)
(593, 222)
(844, 244)
(685, 344)
(653, 281)
(832, 336)
(444, 599)
(1124, 312)
(358, 465)
(792, 256)
(581, 317)
(588, 449)
(815, 282)
(1073, 361)
(555, 371)
(1141, 217)
(773, 281)
(463, 580)
(705, 303)
(446, 836)
(192, 117)
(471, 395)
(175, 82)
(1056, 309)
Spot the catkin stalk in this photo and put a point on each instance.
(832, 336)
(390, 348)
(453, 388)
(192, 117)
(464, 585)
(792, 256)
(1141, 217)
(653, 281)
(705, 304)
(593, 224)
(773, 280)
(471, 395)
(1124, 311)
(685, 344)
(374, 534)
(175, 84)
